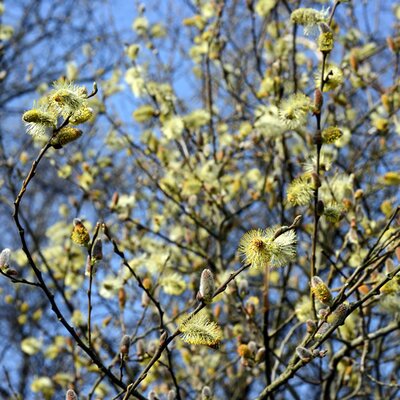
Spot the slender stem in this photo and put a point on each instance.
(198, 308)
(89, 294)
(89, 291)
(267, 360)
(318, 143)
(295, 364)
(41, 282)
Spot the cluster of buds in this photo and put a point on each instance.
(307, 355)
(250, 354)
(67, 101)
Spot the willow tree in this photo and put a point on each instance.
(231, 227)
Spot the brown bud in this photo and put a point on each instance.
(124, 346)
(393, 43)
(114, 200)
(304, 354)
(320, 208)
(171, 395)
(163, 337)
(145, 299)
(251, 309)
(71, 395)
(217, 311)
(147, 283)
(206, 393)
(353, 61)
(318, 101)
(207, 286)
(311, 326)
(97, 250)
(260, 355)
(140, 348)
(121, 297)
(387, 102)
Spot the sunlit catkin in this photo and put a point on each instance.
(321, 291)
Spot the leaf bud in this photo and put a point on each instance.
(163, 337)
(217, 311)
(124, 346)
(322, 330)
(320, 208)
(12, 272)
(114, 200)
(359, 193)
(206, 393)
(260, 355)
(71, 395)
(252, 346)
(147, 283)
(323, 312)
(250, 309)
(97, 251)
(140, 349)
(353, 60)
(304, 354)
(171, 395)
(393, 44)
(121, 297)
(5, 258)
(89, 266)
(152, 395)
(207, 286)
(145, 299)
(152, 348)
(311, 326)
(318, 101)
(243, 287)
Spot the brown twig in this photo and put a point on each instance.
(41, 282)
